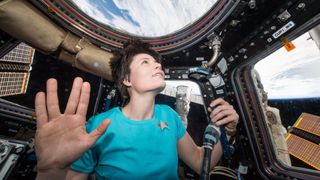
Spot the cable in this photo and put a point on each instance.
(223, 174)
(224, 171)
(239, 175)
(223, 167)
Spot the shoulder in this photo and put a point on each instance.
(163, 107)
(95, 120)
(166, 112)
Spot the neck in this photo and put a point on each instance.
(140, 108)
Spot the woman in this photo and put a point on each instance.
(143, 140)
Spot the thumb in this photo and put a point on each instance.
(94, 135)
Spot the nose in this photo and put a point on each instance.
(157, 65)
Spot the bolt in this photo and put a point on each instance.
(301, 6)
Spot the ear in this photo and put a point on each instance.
(126, 82)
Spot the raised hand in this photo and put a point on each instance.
(223, 114)
(62, 138)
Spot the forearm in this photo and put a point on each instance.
(192, 154)
(215, 157)
(196, 164)
(216, 154)
(52, 174)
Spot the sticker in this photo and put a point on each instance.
(163, 125)
(284, 29)
(51, 9)
(287, 44)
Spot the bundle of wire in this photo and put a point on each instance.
(224, 171)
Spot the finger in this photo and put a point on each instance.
(221, 115)
(74, 96)
(84, 99)
(52, 99)
(94, 135)
(41, 110)
(226, 120)
(217, 102)
(230, 114)
(219, 109)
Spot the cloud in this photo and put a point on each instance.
(92, 10)
(146, 18)
(160, 17)
(293, 74)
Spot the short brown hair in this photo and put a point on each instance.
(121, 60)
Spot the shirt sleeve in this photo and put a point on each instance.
(87, 162)
(180, 128)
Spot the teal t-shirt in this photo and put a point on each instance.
(132, 149)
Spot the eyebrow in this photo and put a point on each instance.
(147, 58)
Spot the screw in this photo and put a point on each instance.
(301, 6)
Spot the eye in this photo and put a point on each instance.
(144, 62)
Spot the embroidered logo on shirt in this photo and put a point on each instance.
(163, 125)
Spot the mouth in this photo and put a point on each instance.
(158, 74)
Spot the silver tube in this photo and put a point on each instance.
(216, 50)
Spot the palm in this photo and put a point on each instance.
(57, 133)
(62, 138)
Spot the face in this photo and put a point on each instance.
(146, 75)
